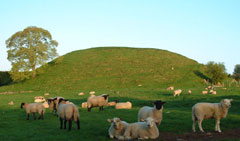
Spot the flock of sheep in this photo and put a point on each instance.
(149, 118)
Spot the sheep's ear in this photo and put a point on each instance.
(110, 120)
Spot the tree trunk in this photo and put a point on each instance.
(33, 72)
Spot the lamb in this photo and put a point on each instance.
(142, 130)
(123, 105)
(153, 112)
(97, 101)
(204, 92)
(68, 112)
(201, 111)
(34, 108)
(113, 103)
(117, 127)
(177, 92)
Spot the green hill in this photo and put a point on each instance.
(116, 67)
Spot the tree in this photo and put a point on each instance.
(29, 49)
(216, 71)
(236, 73)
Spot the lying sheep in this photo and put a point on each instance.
(123, 105)
(112, 103)
(39, 99)
(117, 127)
(142, 130)
(153, 112)
(34, 108)
(170, 88)
(201, 111)
(177, 92)
(204, 92)
(97, 101)
(189, 92)
(84, 105)
(68, 112)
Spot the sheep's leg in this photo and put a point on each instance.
(34, 117)
(89, 109)
(28, 116)
(217, 127)
(101, 108)
(65, 122)
(69, 125)
(61, 123)
(78, 124)
(194, 125)
(200, 125)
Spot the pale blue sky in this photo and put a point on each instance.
(203, 30)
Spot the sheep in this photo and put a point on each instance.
(11, 103)
(170, 88)
(34, 108)
(84, 105)
(92, 92)
(123, 105)
(38, 99)
(68, 112)
(201, 111)
(214, 92)
(113, 103)
(45, 105)
(97, 101)
(117, 127)
(141, 130)
(51, 104)
(46, 94)
(189, 92)
(153, 112)
(177, 92)
(204, 92)
(81, 93)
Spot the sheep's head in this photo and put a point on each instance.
(158, 104)
(150, 122)
(105, 96)
(22, 105)
(227, 102)
(116, 122)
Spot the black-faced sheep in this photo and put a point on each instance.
(68, 112)
(117, 127)
(201, 111)
(34, 108)
(97, 101)
(153, 112)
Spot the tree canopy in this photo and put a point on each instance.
(217, 71)
(29, 49)
(236, 73)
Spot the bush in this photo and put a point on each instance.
(5, 78)
(216, 71)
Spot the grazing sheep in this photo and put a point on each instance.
(142, 130)
(201, 111)
(84, 105)
(97, 101)
(81, 93)
(170, 88)
(68, 112)
(153, 112)
(34, 108)
(123, 105)
(204, 92)
(177, 92)
(189, 92)
(117, 127)
(113, 103)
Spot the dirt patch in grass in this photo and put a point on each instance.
(230, 134)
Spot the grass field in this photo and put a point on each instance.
(116, 72)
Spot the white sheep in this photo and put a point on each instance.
(112, 103)
(204, 92)
(123, 105)
(68, 112)
(189, 92)
(92, 92)
(170, 88)
(153, 112)
(97, 101)
(201, 111)
(45, 105)
(34, 108)
(84, 105)
(117, 127)
(177, 92)
(141, 130)
(11, 103)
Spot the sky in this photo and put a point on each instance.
(203, 30)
